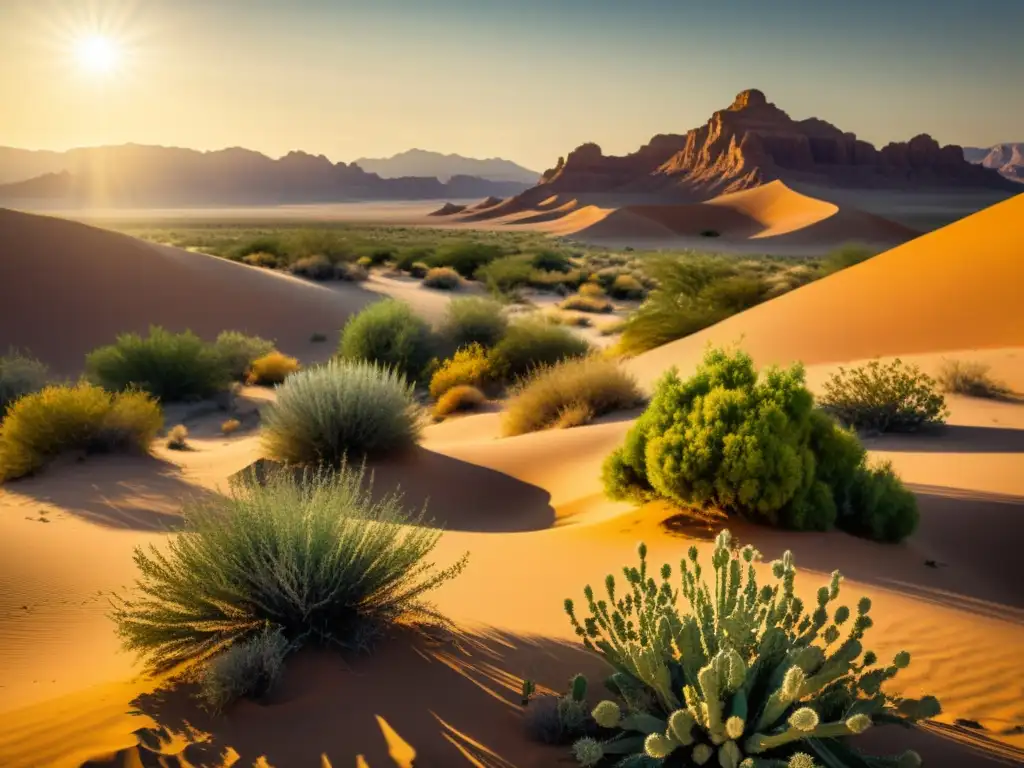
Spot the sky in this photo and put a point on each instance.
(526, 80)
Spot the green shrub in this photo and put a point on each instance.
(465, 258)
(322, 414)
(572, 391)
(468, 366)
(409, 257)
(443, 279)
(170, 366)
(390, 333)
(59, 419)
(570, 319)
(316, 558)
(551, 261)
(876, 397)
(272, 369)
(736, 671)
(377, 256)
(19, 375)
(506, 274)
(248, 668)
(560, 282)
(845, 256)
(351, 273)
(316, 267)
(626, 287)
(473, 320)
(238, 351)
(749, 447)
(582, 303)
(956, 376)
(458, 399)
(530, 344)
(261, 259)
(419, 269)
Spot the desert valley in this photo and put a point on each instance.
(377, 463)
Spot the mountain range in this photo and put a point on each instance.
(420, 162)
(753, 142)
(1007, 158)
(134, 175)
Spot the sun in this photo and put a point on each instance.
(96, 54)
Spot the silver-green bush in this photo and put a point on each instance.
(19, 375)
(341, 408)
(238, 351)
(249, 668)
(316, 558)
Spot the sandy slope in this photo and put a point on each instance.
(66, 288)
(531, 512)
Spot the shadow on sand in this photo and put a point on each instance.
(416, 702)
(952, 439)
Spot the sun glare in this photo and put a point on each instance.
(96, 54)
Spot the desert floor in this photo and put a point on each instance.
(531, 513)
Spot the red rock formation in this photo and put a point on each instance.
(753, 142)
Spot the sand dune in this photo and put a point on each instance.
(531, 512)
(955, 288)
(66, 288)
(447, 210)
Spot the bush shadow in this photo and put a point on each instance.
(141, 493)
(952, 439)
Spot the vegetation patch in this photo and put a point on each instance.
(582, 303)
(458, 399)
(58, 419)
(877, 397)
(177, 438)
(570, 393)
(733, 673)
(238, 351)
(272, 369)
(473, 320)
(755, 447)
(317, 267)
(321, 415)
(469, 366)
(388, 332)
(533, 343)
(972, 379)
(20, 375)
(311, 560)
(443, 279)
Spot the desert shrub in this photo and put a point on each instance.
(465, 258)
(19, 375)
(390, 333)
(351, 273)
(574, 390)
(591, 290)
(877, 397)
(955, 376)
(316, 558)
(558, 719)
(691, 294)
(408, 257)
(58, 419)
(613, 328)
(570, 319)
(262, 244)
(238, 351)
(354, 408)
(473, 320)
(316, 267)
(506, 274)
(469, 366)
(582, 303)
(170, 366)
(272, 369)
(879, 506)
(177, 438)
(560, 282)
(230, 426)
(247, 669)
(735, 670)
(261, 259)
(626, 287)
(364, 261)
(442, 278)
(529, 344)
(419, 269)
(749, 446)
(457, 399)
(845, 256)
(551, 261)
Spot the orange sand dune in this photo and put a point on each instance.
(447, 210)
(958, 287)
(66, 288)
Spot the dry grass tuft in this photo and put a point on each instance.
(272, 369)
(971, 379)
(230, 426)
(443, 279)
(177, 438)
(459, 399)
(469, 366)
(584, 303)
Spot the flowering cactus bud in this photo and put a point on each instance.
(909, 759)
(658, 747)
(701, 754)
(734, 727)
(858, 723)
(805, 719)
(588, 752)
(607, 714)
(902, 660)
(801, 760)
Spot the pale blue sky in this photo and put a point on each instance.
(523, 79)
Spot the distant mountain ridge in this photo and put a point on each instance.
(1006, 158)
(144, 176)
(421, 162)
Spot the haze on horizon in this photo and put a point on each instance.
(526, 80)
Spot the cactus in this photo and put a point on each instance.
(529, 688)
(722, 670)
